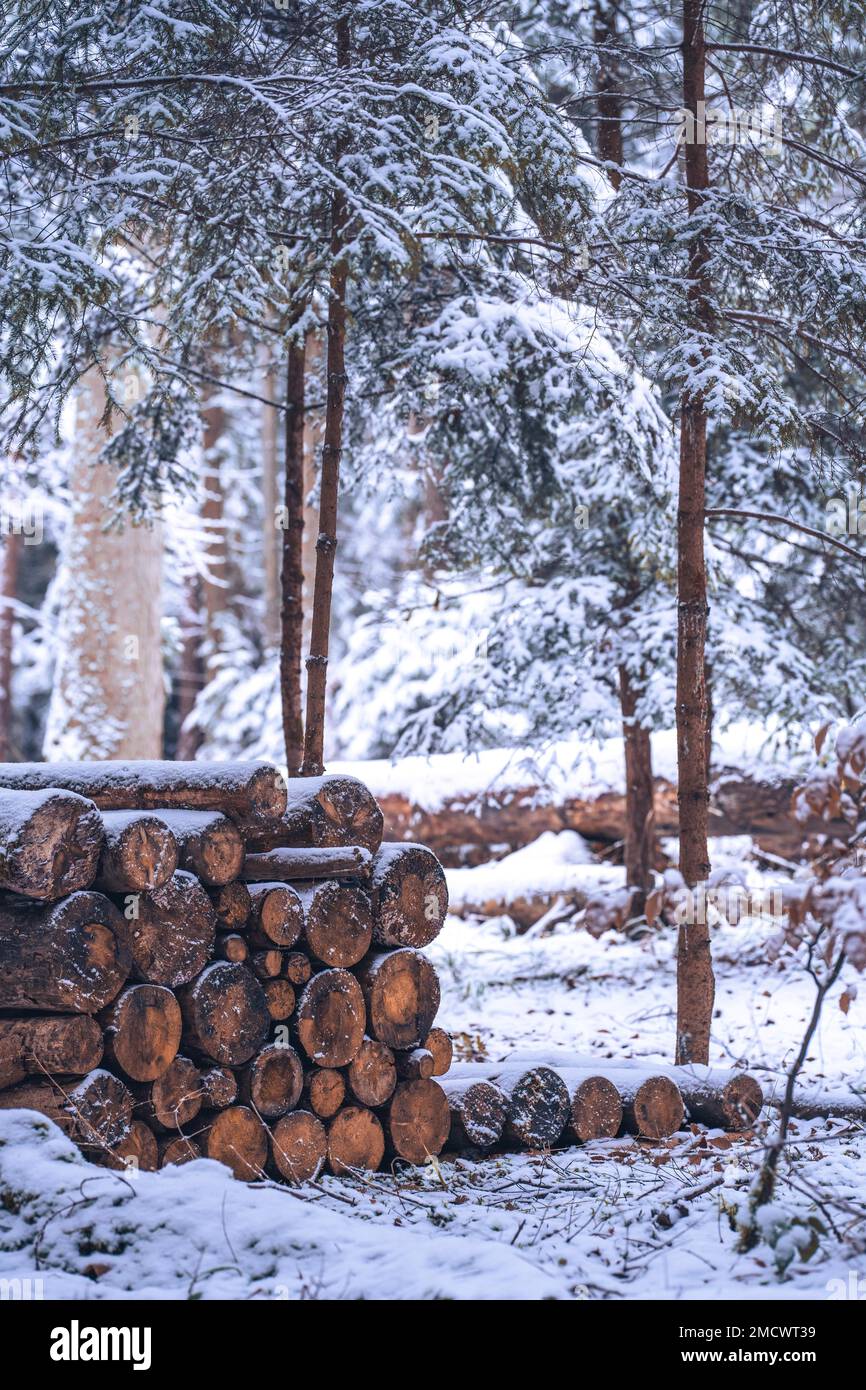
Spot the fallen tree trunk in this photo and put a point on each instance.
(139, 855)
(401, 991)
(372, 1074)
(50, 842)
(355, 1141)
(338, 922)
(409, 895)
(297, 968)
(478, 1113)
(59, 1044)
(298, 1147)
(209, 845)
(172, 932)
(70, 957)
(302, 865)
(596, 1110)
(142, 1031)
(329, 1019)
(96, 1113)
(325, 812)
(252, 794)
(225, 1014)
(417, 1120)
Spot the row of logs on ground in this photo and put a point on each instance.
(196, 959)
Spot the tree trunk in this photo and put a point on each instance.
(190, 678)
(219, 1088)
(338, 923)
(173, 1099)
(281, 999)
(96, 1112)
(214, 583)
(10, 553)
(332, 449)
(209, 845)
(232, 905)
(271, 1083)
(176, 1150)
(297, 865)
(107, 700)
(292, 582)
(324, 813)
(270, 503)
(410, 895)
(695, 983)
(237, 1138)
(478, 1113)
(70, 957)
(639, 819)
(439, 1043)
(139, 854)
(596, 1110)
(50, 842)
(276, 915)
(324, 1091)
(609, 139)
(138, 1152)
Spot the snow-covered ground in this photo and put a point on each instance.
(615, 1219)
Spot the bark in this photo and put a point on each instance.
(252, 794)
(137, 1153)
(50, 843)
(372, 1074)
(232, 905)
(338, 923)
(237, 1138)
(219, 1088)
(96, 1113)
(639, 848)
(10, 554)
(142, 1031)
(271, 1083)
(276, 915)
(173, 1099)
(439, 1043)
(417, 1121)
(401, 991)
(209, 845)
(172, 931)
(71, 957)
(608, 85)
(280, 998)
(695, 983)
(225, 1014)
(214, 584)
(177, 1150)
(410, 896)
(34, 1046)
(324, 1091)
(329, 1019)
(299, 1147)
(306, 865)
(356, 1141)
(140, 852)
(292, 574)
(270, 501)
(190, 678)
(332, 449)
(478, 1113)
(108, 694)
(329, 812)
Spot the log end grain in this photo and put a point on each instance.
(418, 1120)
(410, 895)
(596, 1109)
(356, 1140)
(271, 1084)
(372, 1073)
(656, 1110)
(325, 1091)
(237, 1138)
(330, 1018)
(143, 1030)
(299, 1147)
(439, 1043)
(226, 1014)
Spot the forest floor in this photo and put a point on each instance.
(613, 1219)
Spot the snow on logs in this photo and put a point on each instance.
(196, 962)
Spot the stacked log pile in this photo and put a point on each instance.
(197, 960)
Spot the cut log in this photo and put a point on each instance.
(219, 1088)
(176, 1149)
(328, 811)
(96, 1113)
(276, 915)
(266, 965)
(372, 1074)
(237, 1138)
(652, 1108)
(232, 905)
(538, 1100)
(209, 845)
(70, 957)
(66, 1045)
(416, 1065)
(231, 945)
(356, 1140)
(324, 1091)
(173, 1100)
(723, 1102)
(142, 1031)
(226, 1014)
(329, 1019)
(50, 842)
(410, 896)
(478, 1113)
(172, 932)
(280, 998)
(271, 1083)
(417, 1120)
(338, 922)
(296, 967)
(439, 1043)
(401, 991)
(252, 794)
(303, 865)
(139, 854)
(137, 1153)
(299, 1147)
(596, 1110)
